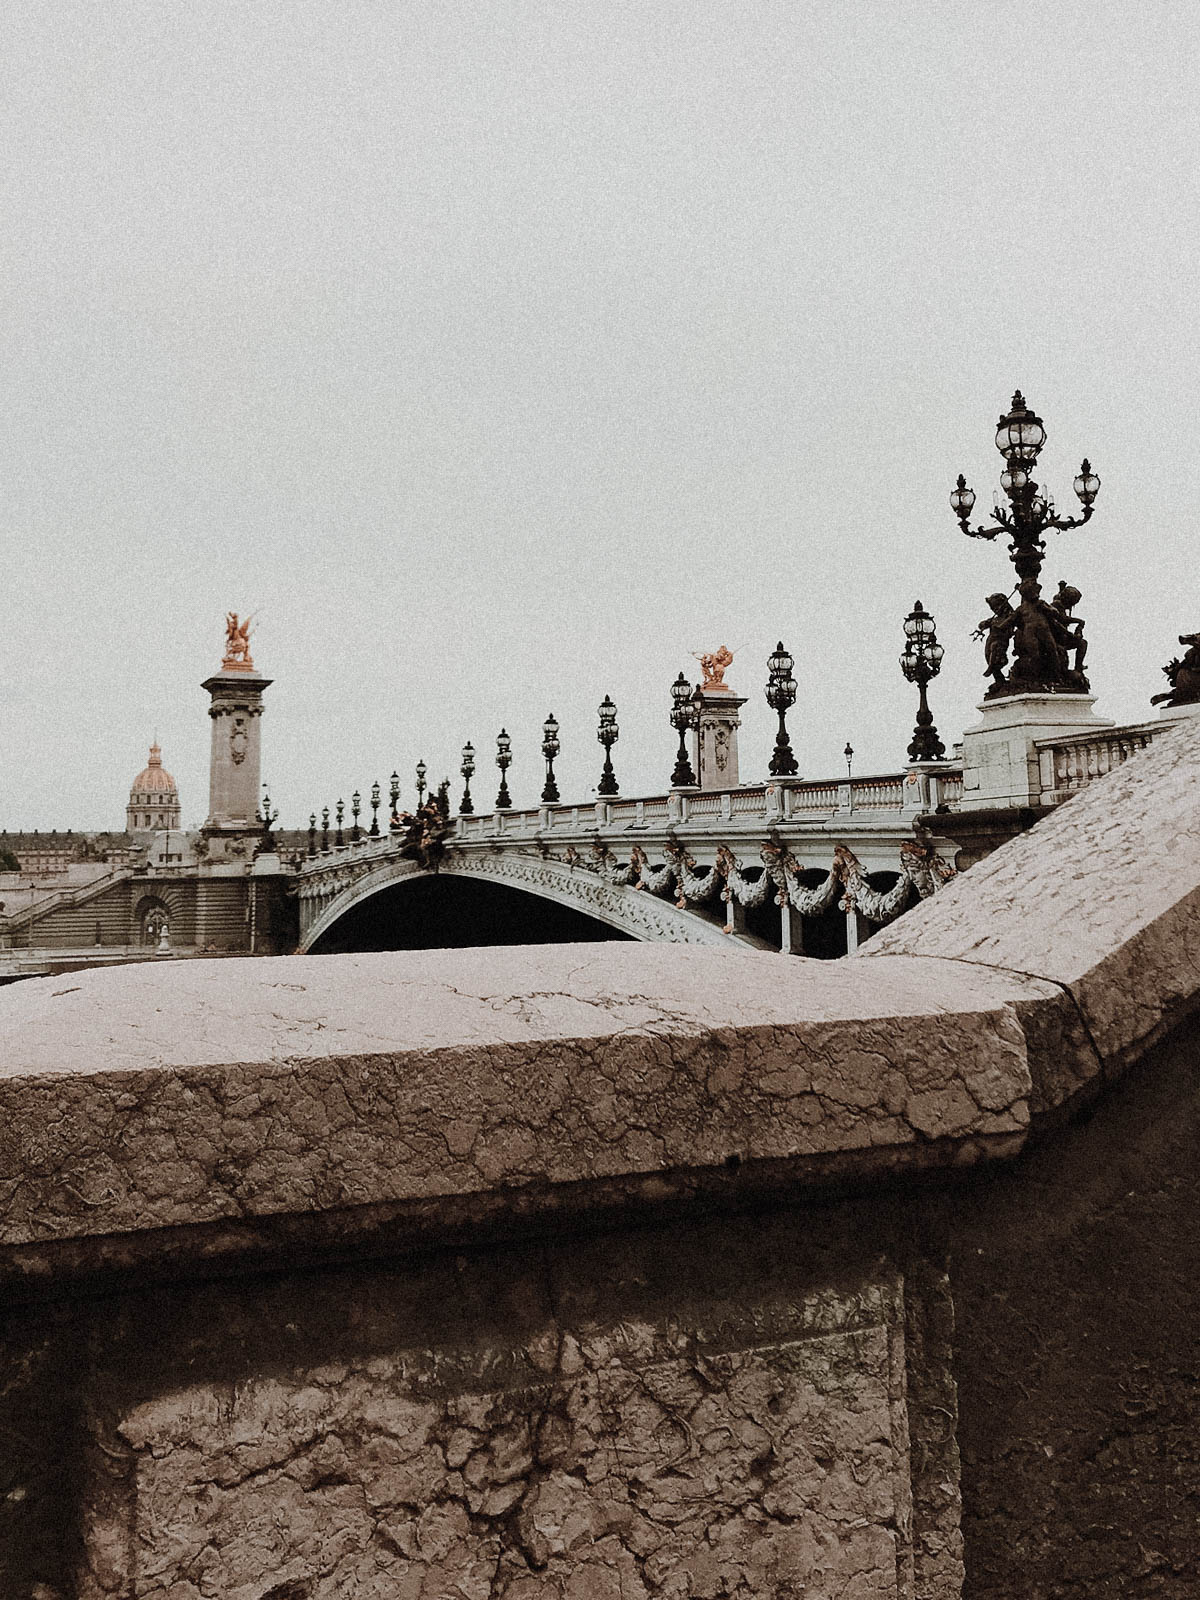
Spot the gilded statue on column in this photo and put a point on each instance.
(714, 665)
(237, 656)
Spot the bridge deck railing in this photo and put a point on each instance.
(1069, 762)
(750, 806)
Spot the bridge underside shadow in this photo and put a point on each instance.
(443, 912)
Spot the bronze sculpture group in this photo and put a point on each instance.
(1045, 638)
(1183, 675)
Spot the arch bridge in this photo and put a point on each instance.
(806, 868)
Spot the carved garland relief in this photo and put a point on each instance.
(602, 886)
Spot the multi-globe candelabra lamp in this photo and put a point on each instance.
(503, 761)
(920, 662)
(1020, 435)
(550, 748)
(467, 805)
(685, 716)
(781, 696)
(608, 733)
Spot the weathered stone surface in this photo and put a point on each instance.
(140, 1099)
(1103, 897)
(652, 1417)
(1076, 1278)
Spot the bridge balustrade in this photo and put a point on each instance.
(1067, 764)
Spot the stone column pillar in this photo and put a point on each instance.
(858, 930)
(714, 743)
(791, 931)
(234, 774)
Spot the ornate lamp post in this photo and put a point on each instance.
(608, 733)
(922, 661)
(1020, 436)
(355, 808)
(503, 761)
(269, 819)
(550, 748)
(781, 695)
(374, 828)
(1042, 635)
(848, 752)
(338, 838)
(685, 715)
(468, 771)
(312, 834)
(325, 828)
(421, 784)
(394, 798)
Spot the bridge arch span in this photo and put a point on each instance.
(632, 912)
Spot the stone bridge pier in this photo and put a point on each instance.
(626, 1271)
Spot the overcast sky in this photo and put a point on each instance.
(501, 355)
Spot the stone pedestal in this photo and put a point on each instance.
(714, 743)
(1000, 758)
(231, 829)
(926, 784)
(1177, 713)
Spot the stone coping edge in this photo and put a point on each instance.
(480, 1083)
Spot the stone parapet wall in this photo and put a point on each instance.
(254, 1088)
(613, 1270)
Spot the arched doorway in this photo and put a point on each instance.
(154, 923)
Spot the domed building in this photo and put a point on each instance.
(153, 798)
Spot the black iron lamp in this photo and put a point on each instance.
(848, 752)
(468, 771)
(781, 696)
(550, 748)
(312, 833)
(325, 828)
(338, 837)
(374, 829)
(355, 808)
(503, 761)
(1020, 435)
(921, 662)
(608, 733)
(394, 797)
(421, 784)
(269, 819)
(685, 715)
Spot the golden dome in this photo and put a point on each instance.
(154, 779)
